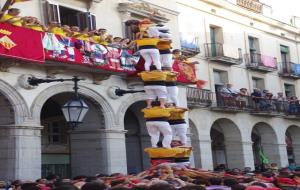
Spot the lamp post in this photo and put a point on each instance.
(75, 109)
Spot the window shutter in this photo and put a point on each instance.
(86, 20)
(284, 49)
(51, 12)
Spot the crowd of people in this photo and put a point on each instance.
(171, 177)
(258, 100)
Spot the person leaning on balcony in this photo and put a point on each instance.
(228, 94)
(279, 101)
(147, 40)
(259, 99)
(242, 98)
(34, 24)
(13, 17)
(55, 28)
(293, 105)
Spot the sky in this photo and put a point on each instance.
(284, 9)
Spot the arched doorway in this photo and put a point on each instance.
(67, 152)
(264, 143)
(195, 142)
(227, 146)
(137, 138)
(7, 111)
(293, 144)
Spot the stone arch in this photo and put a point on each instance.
(39, 101)
(18, 103)
(264, 138)
(129, 101)
(195, 142)
(137, 138)
(293, 144)
(227, 146)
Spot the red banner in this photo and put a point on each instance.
(21, 43)
(73, 51)
(186, 72)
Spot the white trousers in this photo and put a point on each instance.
(180, 131)
(172, 94)
(155, 128)
(154, 91)
(166, 60)
(151, 55)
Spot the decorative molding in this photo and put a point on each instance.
(143, 9)
(23, 81)
(6, 64)
(252, 5)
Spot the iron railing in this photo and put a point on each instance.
(221, 50)
(254, 104)
(289, 68)
(199, 97)
(257, 60)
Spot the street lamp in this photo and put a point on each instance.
(75, 109)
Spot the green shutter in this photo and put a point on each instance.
(284, 49)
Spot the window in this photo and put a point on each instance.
(289, 90)
(258, 83)
(55, 132)
(220, 77)
(253, 45)
(68, 16)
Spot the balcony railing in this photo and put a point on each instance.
(252, 5)
(254, 105)
(223, 54)
(256, 61)
(289, 70)
(199, 97)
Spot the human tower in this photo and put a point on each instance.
(163, 115)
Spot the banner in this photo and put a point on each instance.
(186, 72)
(21, 43)
(73, 51)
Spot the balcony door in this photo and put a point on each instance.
(285, 58)
(216, 38)
(254, 50)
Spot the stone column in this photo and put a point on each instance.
(284, 162)
(206, 154)
(234, 154)
(248, 154)
(98, 151)
(20, 148)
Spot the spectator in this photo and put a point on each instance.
(279, 102)
(216, 183)
(228, 95)
(93, 186)
(13, 17)
(258, 99)
(293, 105)
(242, 98)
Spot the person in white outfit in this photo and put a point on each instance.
(157, 123)
(178, 123)
(147, 40)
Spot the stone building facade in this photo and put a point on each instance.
(34, 136)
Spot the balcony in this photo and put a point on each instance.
(234, 103)
(189, 44)
(224, 54)
(229, 103)
(262, 63)
(289, 70)
(198, 97)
